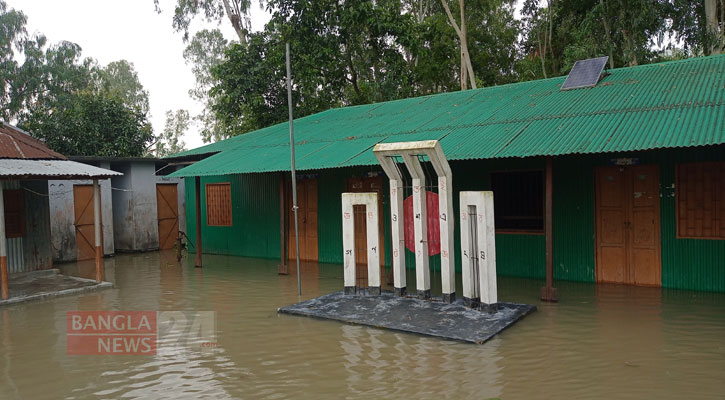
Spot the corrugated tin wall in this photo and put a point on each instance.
(686, 263)
(36, 243)
(31, 252)
(255, 215)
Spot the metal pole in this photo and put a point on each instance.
(292, 164)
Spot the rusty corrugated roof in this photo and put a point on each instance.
(14, 143)
(667, 105)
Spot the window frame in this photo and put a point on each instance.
(678, 187)
(228, 185)
(510, 231)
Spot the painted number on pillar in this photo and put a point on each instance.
(395, 217)
(442, 186)
(444, 254)
(417, 216)
(463, 216)
(465, 254)
(416, 189)
(374, 249)
(443, 216)
(370, 214)
(348, 252)
(483, 255)
(395, 253)
(346, 215)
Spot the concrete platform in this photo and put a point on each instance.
(407, 314)
(37, 285)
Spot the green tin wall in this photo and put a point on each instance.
(255, 215)
(686, 263)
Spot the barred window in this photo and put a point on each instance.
(700, 191)
(219, 204)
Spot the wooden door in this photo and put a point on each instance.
(307, 221)
(628, 225)
(167, 208)
(85, 234)
(366, 185)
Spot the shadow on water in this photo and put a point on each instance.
(600, 341)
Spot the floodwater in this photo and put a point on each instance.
(598, 342)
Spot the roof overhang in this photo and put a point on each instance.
(51, 169)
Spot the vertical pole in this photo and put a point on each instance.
(3, 248)
(548, 292)
(398, 237)
(197, 262)
(283, 268)
(420, 226)
(348, 244)
(97, 230)
(292, 166)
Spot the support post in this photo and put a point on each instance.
(478, 250)
(197, 262)
(283, 268)
(420, 226)
(3, 248)
(548, 292)
(397, 230)
(397, 224)
(370, 201)
(97, 230)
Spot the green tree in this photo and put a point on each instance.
(98, 124)
(700, 25)
(204, 52)
(176, 125)
(235, 11)
(119, 78)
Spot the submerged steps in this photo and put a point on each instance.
(412, 315)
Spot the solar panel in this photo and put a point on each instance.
(585, 73)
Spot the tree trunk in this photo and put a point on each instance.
(465, 56)
(236, 19)
(608, 33)
(712, 28)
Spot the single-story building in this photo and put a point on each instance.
(636, 161)
(26, 166)
(145, 212)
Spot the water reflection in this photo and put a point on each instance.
(599, 341)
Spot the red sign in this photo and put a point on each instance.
(434, 225)
(111, 332)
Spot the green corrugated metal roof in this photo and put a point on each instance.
(673, 104)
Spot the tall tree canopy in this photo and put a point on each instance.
(357, 52)
(77, 106)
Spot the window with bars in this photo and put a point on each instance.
(700, 197)
(219, 204)
(519, 201)
(14, 213)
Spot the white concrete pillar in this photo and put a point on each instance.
(3, 249)
(420, 226)
(478, 249)
(397, 221)
(97, 230)
(397, 229)
(370, 201)
(447, 221)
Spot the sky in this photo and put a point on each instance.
(131, 30)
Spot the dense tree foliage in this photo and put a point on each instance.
(77, 106)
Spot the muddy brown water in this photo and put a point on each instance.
(598, 342)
